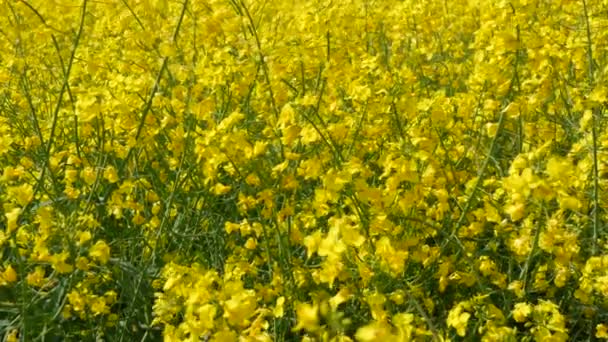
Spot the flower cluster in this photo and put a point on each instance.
(346, 170)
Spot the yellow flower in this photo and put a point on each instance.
(259, 148)
(458, 319)
(342, 296)
(77, 301)
(253, 179)
(331, 245)
(12, 336)
(373, 332)
(332, 266)
(551, 319)
(22, 194)
(516, 211)
(82, 263)
(569, 202)
(405, 325)
(167, 49)
(36, 278)
(517, 288)
(89, 175)
(599, 94)
(110, 174)
(558, 168)
(240, 307)
(491, 129)
(58, 261)
(100, 252)
(601, 331)
(12, 217)
(312, 242)
(307, 317)
(83, 237)
(278, 309)
(394, 259)
(351, 236)
(98, 306)
(9, 275)
(521, 311)
(251, 243)
(110, 297)
(586, 119)
(220, 189)
(230, 227)
(225, 336)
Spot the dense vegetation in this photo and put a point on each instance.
(346, 170)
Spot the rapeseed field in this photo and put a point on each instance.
(323, 170)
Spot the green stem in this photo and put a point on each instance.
(596, 113)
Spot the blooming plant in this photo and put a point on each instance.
(345, 170)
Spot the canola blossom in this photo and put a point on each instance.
(323, 170)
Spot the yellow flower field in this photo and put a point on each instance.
(323, 170)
